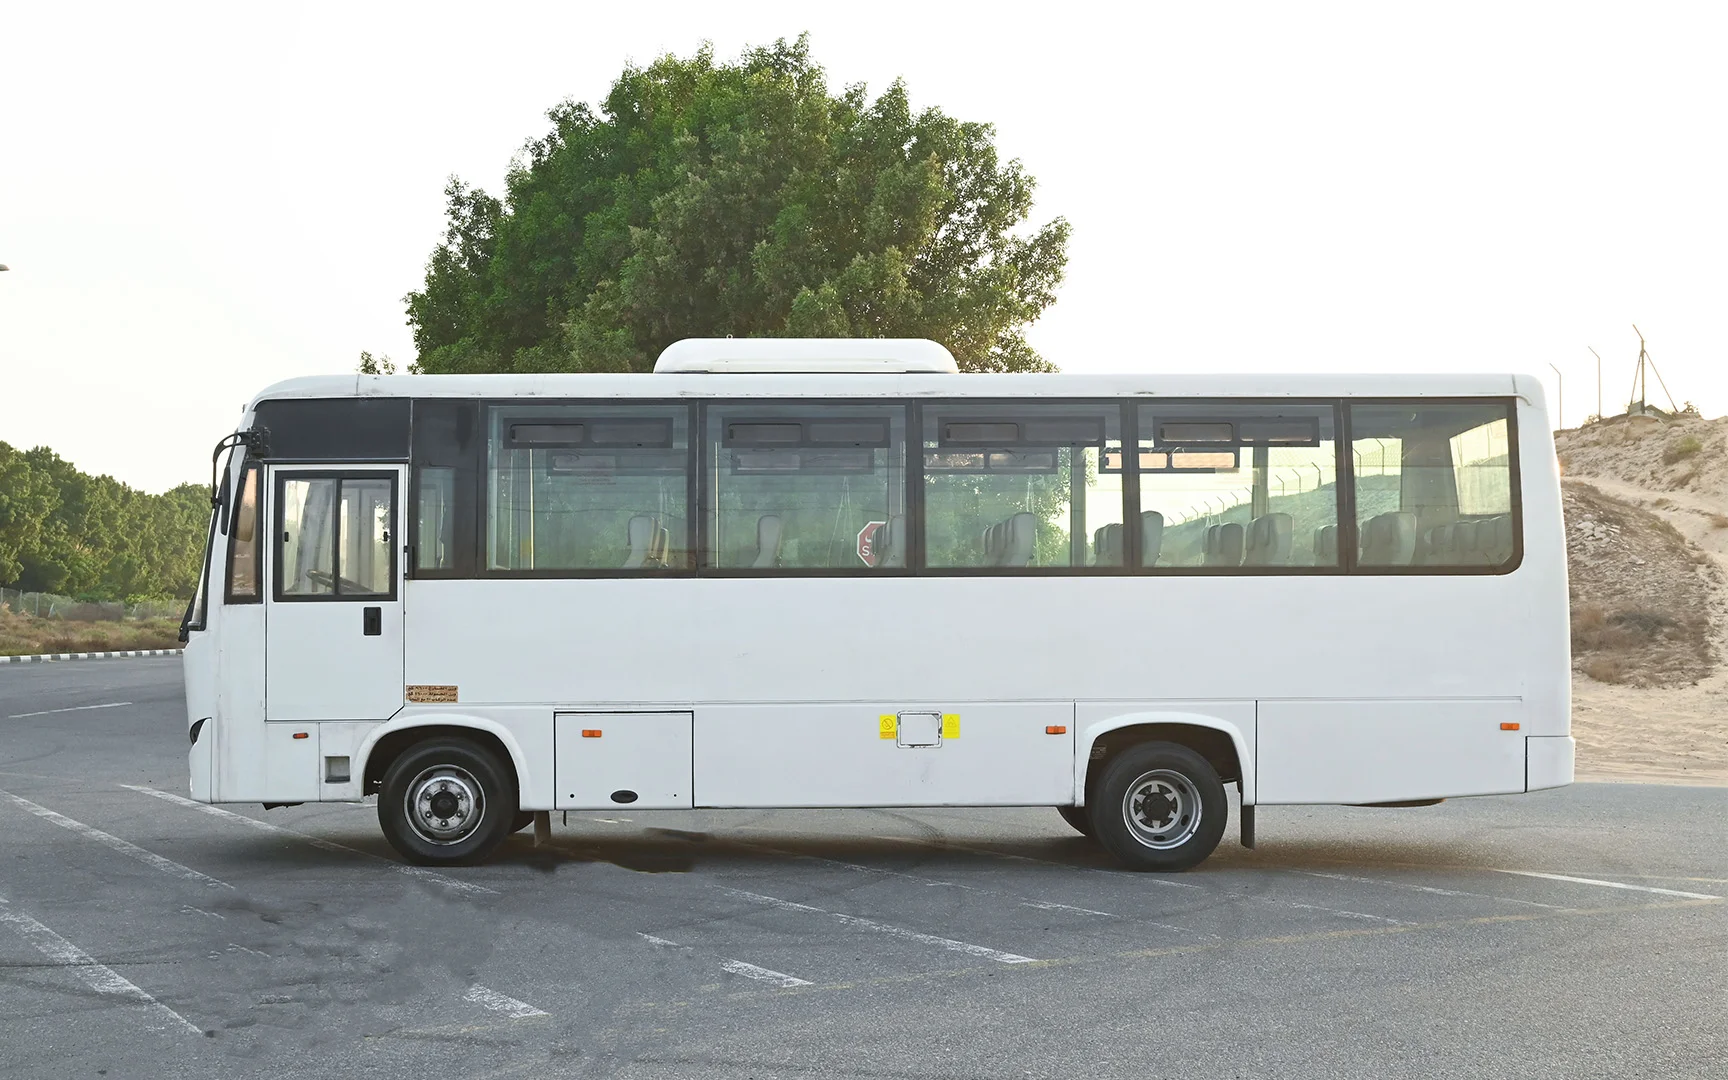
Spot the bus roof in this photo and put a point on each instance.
(865, 385)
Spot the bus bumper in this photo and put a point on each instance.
(1548, 761)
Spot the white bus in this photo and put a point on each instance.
(799, 573)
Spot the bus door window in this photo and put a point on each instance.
(1015, 486)
(797, 486)
(337, 537)
(1225, 486)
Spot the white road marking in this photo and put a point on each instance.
(762, 974)
(1428, 889)
(1611, 884)
(167, 866)
(884, 928)
(492, 999)
(736, 967)
(1042, 905)
(99, 977)
(323, 845)
(1340, 912)
(951, 846)
(1046, 905)
(75, 708)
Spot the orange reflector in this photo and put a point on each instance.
(1508, 727)
(591, 733)
(1056, 729)
(301, 735)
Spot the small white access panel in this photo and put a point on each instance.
(608, 760)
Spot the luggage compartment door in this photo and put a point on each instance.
(608, 760)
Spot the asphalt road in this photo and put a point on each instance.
(144, 936)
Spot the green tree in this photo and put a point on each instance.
(744, 199)
(26, 499)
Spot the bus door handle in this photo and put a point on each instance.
(372, 621)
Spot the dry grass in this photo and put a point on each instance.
(26, 635)
(1719, 521)
(1680, 449)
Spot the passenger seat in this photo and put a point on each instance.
(1021, 539)
(767, 542)
(1389, 539)
(1269, 540)
(1326, 545)
(641, 533)
(891, 541)
(1151, 537)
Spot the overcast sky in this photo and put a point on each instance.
(199, 200)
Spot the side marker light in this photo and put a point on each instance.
(302, 735)
(1508, 727)
(1056, 729)
(591, 733)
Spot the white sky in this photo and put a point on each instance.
(198, 200)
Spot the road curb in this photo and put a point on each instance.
(45, 658)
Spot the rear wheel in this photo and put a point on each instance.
(1160, 806)
(1077, 817)
(447, 802)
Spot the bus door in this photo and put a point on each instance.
(333, 628)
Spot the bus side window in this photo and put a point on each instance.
(1022, 486)
(793, 487)
(243, 542)
(1434, 485)
(1229, 486)
(437, 524)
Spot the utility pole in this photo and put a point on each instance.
(1640, 381)
(1559, 401)
(1598, 356)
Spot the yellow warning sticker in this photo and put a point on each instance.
(885, 726)
(951, 725)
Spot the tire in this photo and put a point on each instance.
(522, 820)
(450, 775)
(1185, 818)
(1077, 817)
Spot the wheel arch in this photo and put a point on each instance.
(389, 741)
(1224, 744)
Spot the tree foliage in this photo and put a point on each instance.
(92, 537)
(708, 199)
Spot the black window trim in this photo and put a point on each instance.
(1515, 478)
(916, 411)
(279, 479)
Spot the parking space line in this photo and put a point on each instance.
(317, 842)
(504, 1003)
(75, 708)
(99, 977)
(762, 974)
(1042, 905)
(1609, 884)
(736, 967)
(947, 845)
(1427, 889)
(884, 928)
(124, 847)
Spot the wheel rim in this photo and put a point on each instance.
(444, 804)
(1162, 809)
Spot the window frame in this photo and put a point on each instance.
(1514, 475)
(915, 552)
(229, 598)
(279, 481)
(1342, 467)
(481, 498)
(705, 463)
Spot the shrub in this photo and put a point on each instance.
(1605, 669)
(1681, 449)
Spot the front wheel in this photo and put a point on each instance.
(1160, 806)
(447, 802)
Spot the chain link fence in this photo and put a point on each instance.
(50, 606)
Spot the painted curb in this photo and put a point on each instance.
(46, 658)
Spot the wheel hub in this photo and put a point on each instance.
(1162, 809)
(444, 804)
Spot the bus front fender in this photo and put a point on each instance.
(1234, 719)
